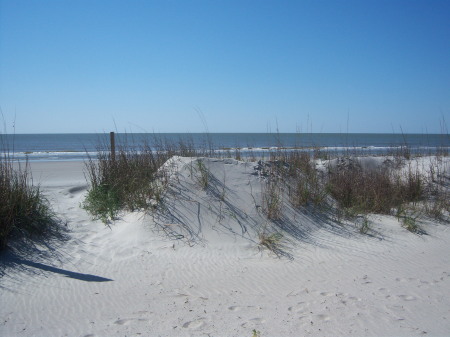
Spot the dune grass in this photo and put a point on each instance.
(24, 210)
(305, 185)
(134, 178)
(375, 190)
(346, 187)
(203, 175)
(130, 180)
(273, 241)
(272, 198)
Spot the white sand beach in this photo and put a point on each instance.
(194, 267)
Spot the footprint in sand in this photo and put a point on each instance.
(396, 308)
(409, 279)
(257, 320)
(142, 312)
(122, 321)
(299, 308)
(127, 321)
(234, 308)
(197, 324)
(237, 307)
(407, 297)
(322, 317)
(327, 294)
(253, 321)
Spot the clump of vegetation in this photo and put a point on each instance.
(304, 183)
(438, 205)
(272, 198)
(361, 190)
(131, 177)
(408, 217)
(410, 224)
(438, 202)
(102, 202)
(275, 242)
(133, 180)
(351, 189)
(24, 210)
(270, 241)
(256, 333)
(375, 190)
(203, 174)
(127, 180)
(364, 228)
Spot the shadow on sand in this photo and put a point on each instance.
(34, 257)
(20, 263)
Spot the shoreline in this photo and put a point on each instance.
(58, 146)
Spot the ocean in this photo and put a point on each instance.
(66, 147)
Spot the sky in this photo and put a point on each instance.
(75, 66)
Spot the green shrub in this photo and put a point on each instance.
(103, 203)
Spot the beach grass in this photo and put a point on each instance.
(202, 174)
(272, 198)
(275, 242)
(126, 180)
(24, 211)
(346, 187)
(134, 179)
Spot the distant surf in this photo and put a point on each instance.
(67, 147)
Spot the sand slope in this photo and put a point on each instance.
(193, 268)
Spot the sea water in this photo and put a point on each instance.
(63, 147)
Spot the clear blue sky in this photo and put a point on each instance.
(247, 66)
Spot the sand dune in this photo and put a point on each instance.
(194, 267)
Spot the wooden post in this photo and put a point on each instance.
(113, 146)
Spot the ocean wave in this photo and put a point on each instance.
(49, 155)
(245, 151)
